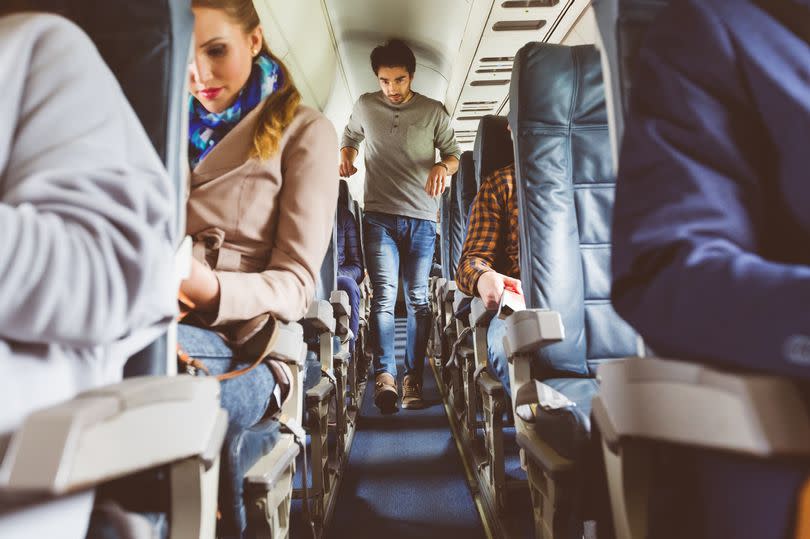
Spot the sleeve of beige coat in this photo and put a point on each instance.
(307, 203)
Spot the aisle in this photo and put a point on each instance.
(404, 478)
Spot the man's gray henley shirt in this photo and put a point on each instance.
(401, 142)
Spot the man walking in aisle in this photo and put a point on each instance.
(402, 130)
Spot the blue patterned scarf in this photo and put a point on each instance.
(206, 129)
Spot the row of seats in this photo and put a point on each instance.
(583, 463)
(153, 443)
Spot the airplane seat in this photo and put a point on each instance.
(323, 322)
(493, 147)
(451, 307)
(672, 470)
(466, 188)
(164, 29)
(451, 231)
(345, 200)
(492, 151)
(564, 183)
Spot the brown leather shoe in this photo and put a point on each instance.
(412, 394)
(385, 393)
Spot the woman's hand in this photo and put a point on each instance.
(202, 286)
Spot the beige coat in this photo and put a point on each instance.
(264, 226)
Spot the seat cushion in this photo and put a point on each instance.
(243, 448)
(568, 430)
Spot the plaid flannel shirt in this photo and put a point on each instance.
(492, 232)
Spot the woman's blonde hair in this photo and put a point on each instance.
(280, 107)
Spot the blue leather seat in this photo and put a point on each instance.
(493, 147)
(697, 492)
(565, 184)
(466, 187)
(453, 221)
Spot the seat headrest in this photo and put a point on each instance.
(493, 146)
(466, 184)
(535, 96)
(622, 25)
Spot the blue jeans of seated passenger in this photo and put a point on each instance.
(497, 363)
(350, 286)
(394, 245)
(245, 398)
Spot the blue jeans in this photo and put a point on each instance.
(397, 244)
(497, 364)
(245, 398)
(351, 287)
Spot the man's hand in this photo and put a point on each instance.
(491, 286)
(347, 156)
(436, 181)
(201, 287)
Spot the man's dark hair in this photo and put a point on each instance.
(395, 53)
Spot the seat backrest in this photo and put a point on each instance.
(465, 187)
(160, 31)
(493, 146)
(622, 25)
(565, 184)
(327, 277)
(346, 201)
(452, 230)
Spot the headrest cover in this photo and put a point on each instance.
(493, 146)
(466, 186)
(535, 95)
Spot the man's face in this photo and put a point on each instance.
(395, 82)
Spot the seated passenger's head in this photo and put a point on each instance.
(394, 64)
(231, 55)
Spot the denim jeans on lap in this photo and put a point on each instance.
(497, 364)
(245, 397)
(399, 245)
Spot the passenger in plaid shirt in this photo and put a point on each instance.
(489, 259)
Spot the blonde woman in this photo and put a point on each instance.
(261, 204)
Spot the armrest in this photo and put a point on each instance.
(695, 405)
(490, 385)
(459, 299)
(340, 303)
(287, 347)
(111, 432)
(530, 329)
(320, 392)
(320, 317)
(479, 315)
(510, 304)
(447, 291)
(440, 282)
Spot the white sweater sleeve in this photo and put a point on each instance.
(85, 204)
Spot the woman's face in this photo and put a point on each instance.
(223, 58)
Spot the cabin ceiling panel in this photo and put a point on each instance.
(433, 30)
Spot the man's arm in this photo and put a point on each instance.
(689, 211)
(353, 135)
(476, 273)
(444, 139)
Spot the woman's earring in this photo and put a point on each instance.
(254, 52)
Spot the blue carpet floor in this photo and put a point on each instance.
(405, 478)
